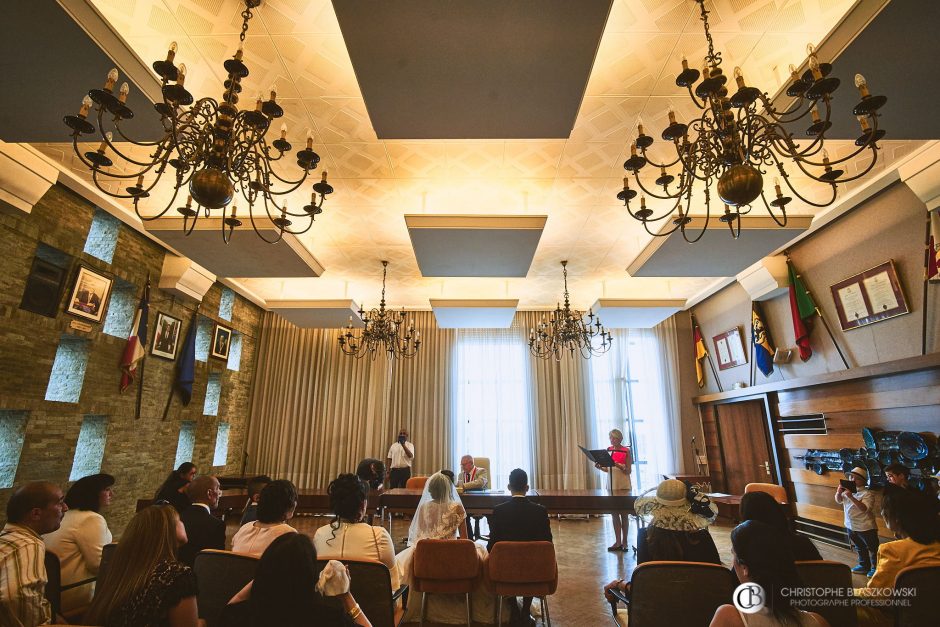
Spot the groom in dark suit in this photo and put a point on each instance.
(203, 530)
(519, 520)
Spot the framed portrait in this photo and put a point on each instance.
(221, 342)
(89, 295)
(166, 336)
(729, 347)
(869, 297)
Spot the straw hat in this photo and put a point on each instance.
(670, 507)
(861, 472)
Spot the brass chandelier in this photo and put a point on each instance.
(387, 328)
(566, 331)
(739, 137)
(211, 146)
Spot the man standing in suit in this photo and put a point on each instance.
(519, 520)
(471, 476)
(204, 530)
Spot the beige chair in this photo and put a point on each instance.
(777, 491)
(832, 575)
(522, 569)
(444, 567)
(370, 584)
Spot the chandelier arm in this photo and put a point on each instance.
(701, 233)
(770, 210)
(309, 226)
(110, 144)
(783, 143)
(871, 164)
(652, 194)
(781, 116)
(162, 213)
(251, 217)
(702, 105)
(116, 123)
(660, 165)
(796, 193)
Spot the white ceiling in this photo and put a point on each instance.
(297, 45)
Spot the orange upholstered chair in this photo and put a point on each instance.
(522, 569)
(922, 609)
(415, 483)
(824, 574)
(777, 491)
(445, 567)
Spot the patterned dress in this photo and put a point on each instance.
(169, 583)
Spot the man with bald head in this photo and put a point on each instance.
(471, 476)
(34, 509)
(204, 530)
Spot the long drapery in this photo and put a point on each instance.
(317, 412)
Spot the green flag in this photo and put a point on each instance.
(804, 301)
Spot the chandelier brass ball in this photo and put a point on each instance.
(740, 185)
(210, 187)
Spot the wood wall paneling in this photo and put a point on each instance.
(828, 442)
(910, 397)
(745, 445)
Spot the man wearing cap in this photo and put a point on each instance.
(860, 521)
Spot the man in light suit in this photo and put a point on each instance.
(471, 477)
(519, 520)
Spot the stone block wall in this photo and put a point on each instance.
(139, 452)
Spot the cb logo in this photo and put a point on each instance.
(749, 598)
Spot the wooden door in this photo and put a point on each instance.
(745, 445)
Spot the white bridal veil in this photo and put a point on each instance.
(439, 512)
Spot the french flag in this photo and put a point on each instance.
(136, 346)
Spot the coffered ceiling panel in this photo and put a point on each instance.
(298, 46)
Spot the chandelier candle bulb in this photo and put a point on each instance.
(258, 102)
(87, 102)
(310, 143)
(672, 116)
(685, 63)
(862, 86)
(863, 122)
(273, 93)
(639, 126)
(122, 93)
(814, 112)
(793, 73)
(111, 80)
(181, 74)
(104, 142)
(739, 77)
(283, 131)
(814, 68)
(171, 52)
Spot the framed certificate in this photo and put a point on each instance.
(729, 347)
(868, 297)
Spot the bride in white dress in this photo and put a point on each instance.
(441, 515)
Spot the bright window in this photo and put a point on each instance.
(627, 394)
(235, 352)
(221, 445)
(187, 440)
(491, 402)
(90, 448)
(226, 304)
(213, 392)
(103, 236)
(68, 370)
(12, 434)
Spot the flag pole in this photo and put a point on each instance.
(143, 361)
(753, 374)
(923, 314)
(714, 372)
(821, 317)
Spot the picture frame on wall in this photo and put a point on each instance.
(729, 348)
(221, 342)
(166, 336)
(89, 295)
(869, 297)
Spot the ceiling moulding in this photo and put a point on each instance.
(24, 178)
(318, 314)
(716, 254)
(472, 70)
(623, 313)
(474, 314)
(922, 175)
(474, 245)
(766, 279)
(183, 277)
(245, 256)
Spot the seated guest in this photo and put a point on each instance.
(80, 539)
(347, 536)
(173, 488)
(910, 516)
(676, 528)
(145, 583)
(255, 485)
(285, 591)
(372, 471)
(898, 474)
(519, 520)
(760, 556)
(34, 509)
(203, 530)
(763, 507)
(275, 507)
(471, 477)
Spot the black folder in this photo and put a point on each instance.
(600, 456)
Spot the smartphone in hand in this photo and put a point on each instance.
(849, 485)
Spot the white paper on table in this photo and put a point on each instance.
(880, 293)
(724, 357)
(853, 303)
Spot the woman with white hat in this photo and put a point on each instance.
(677, 520)
(860, 520)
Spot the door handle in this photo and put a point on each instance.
(767, 468)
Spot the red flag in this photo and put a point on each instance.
(802, 308)
(933, 250)
(136, 346)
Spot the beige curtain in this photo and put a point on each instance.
(559, 398)
(316, 412)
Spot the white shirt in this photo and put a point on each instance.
(358, 541)
(856, 519)
(396, 453)
(254, 537)
(78, 543)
